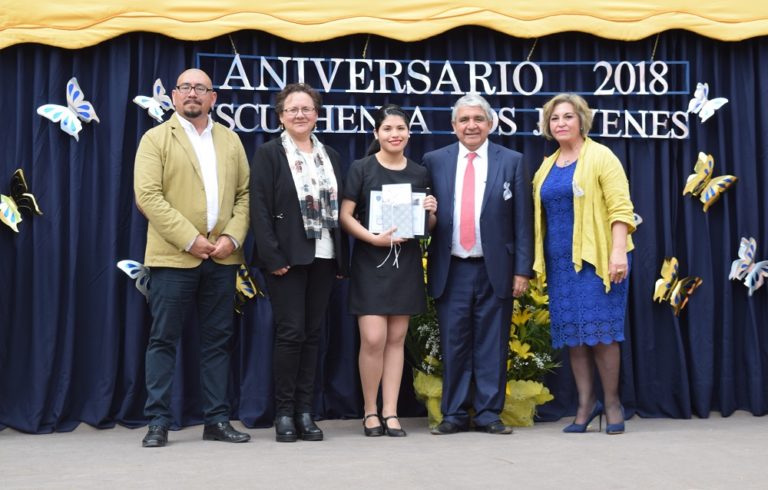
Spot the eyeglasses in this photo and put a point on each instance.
(186, 88)
(294, 111)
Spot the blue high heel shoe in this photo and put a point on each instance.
(613, 429)
(580, 428)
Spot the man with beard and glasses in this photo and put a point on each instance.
(191, 182)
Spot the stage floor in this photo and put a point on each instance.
(708, 453)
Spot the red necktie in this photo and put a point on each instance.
(467, 217)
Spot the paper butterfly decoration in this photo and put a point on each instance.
(69, 116)
(20, 198)
(637, 219)
(157, 104)
(245, 288)
(137, 271)
(744, 267)
(673, 290)
(703, 106)
(700, 183)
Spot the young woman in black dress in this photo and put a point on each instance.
(384, 292)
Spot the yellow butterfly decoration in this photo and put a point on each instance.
(700, 183)
(673, 290)
(245, 288)
(20, 198)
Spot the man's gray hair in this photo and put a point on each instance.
(472, 100)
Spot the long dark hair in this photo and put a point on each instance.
(378, 119)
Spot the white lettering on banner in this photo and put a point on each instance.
(417, 75)
(349, 119)
(474, 77)
(507, 117)
(516, 78)
(503, 83)
(237, 64)
(384, 76)
(447, 73)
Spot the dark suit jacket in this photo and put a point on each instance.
(278, 228)
(506, 225)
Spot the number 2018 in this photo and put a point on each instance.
(626, 77)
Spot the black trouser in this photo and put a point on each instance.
(210, 289)
(299, 301)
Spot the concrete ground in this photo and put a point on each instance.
(709, 453)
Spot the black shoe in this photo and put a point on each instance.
(307, 428)
(285, 430)
(445, 428)
(157, 436)
(496, 427)
(373, 431)
(392, 432)
(223, 431)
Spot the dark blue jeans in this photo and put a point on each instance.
(210, 290)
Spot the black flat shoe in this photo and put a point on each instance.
(306, 427)
(223, 431)
(373, 431)
(392, 432)
(496, 427)
(285, 430)
(157, 436)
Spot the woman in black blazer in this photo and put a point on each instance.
(296, 182)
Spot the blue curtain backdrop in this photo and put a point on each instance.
(73, 329)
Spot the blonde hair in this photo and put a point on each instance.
(580, 107)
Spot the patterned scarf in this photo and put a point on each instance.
(318, 196)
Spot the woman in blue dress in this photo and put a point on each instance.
(583, 219)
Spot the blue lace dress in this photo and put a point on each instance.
(580, 310)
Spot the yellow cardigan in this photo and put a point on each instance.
(601, 197)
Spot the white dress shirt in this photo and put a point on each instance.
(481, 174)
(206, 156)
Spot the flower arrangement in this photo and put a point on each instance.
(530, 357)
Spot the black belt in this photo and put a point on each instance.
(468, 259)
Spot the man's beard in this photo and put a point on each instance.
(192, 110)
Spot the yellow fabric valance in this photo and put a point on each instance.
(81, 23)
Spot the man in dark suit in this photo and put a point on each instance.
(480, 257)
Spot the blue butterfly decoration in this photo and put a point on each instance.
(69, 116)
(702, 105)
(138, 271)
(157, 104)
(745, 267)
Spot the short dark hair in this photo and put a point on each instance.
(293, 88)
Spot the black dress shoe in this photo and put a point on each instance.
(373, 431)
(445, 428)
(307, 428)
(285, 430)
(223, 431)
(496, 427)
(391, 431)
(157, 436)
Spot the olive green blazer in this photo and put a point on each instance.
(168, 184)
